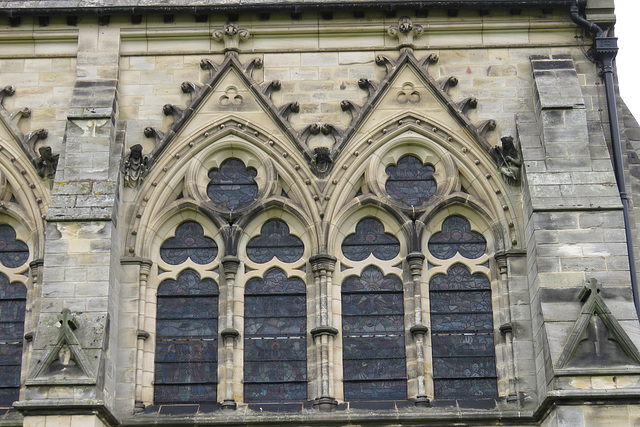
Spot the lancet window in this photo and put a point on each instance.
(187, 322)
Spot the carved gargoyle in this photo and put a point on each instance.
(321, 159)
(135, 167)
(47, 163)
(508, 159)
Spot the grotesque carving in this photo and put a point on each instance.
(405, 31)
(47, 163)
(322, 159)
(134, 168)
(508, 160)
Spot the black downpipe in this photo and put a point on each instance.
(605, 50)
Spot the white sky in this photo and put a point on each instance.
(628, 59)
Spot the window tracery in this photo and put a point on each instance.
(233, 185)
(410, 182)
(462, 333)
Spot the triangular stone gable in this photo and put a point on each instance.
(597, 340)
(409, 84)
(230, 92)
(65, 362)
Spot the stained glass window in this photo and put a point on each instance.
(13, 252)
(13, 301)
(186, 340)
(456, 236)
(275, 241)
(370, 238)
(373, 337)
(189, 242)
(410, 182)
(464, 364)
(233, 185)
(275, 346)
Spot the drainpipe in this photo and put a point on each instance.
(605, 50)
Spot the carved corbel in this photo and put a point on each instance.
(350, 107)
(268, 88)
(445, 83)
(254, 64)
(231, 35)
(405, 31)
(285, 111)
(466, 104)
(388, 63)
(370, 86)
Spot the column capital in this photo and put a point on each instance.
(323, 262)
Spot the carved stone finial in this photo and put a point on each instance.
(191, 88)
(350, 107)
(322, 159)
(135, 167)
(47, 163)
(466, 104)
(508, 160)
(231, 35)
(207, 64)
(388, 63)
(405, 31)
(31, 139)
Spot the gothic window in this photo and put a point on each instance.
(233, 185)
(275, 324)
(462, 337)
(186, 340)
(187, 321)
(13, 300)
(373, 337)
(275, 361)
(410, 182)
(374, 366)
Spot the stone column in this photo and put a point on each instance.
(324, 334)
(506, 327)
(143, 331)
(229, 334)
(418, 329)
(82, 248)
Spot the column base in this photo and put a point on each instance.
(325, 404)
(422, 402)
(229, 405)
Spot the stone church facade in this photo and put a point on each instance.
(313, 213)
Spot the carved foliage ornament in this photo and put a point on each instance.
(231, 35)
(405, 31)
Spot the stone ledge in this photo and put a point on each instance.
(67, 407)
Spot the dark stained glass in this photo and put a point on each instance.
(370, 238)
(13, 252)
(410, 182)
(456, 236)
(13, 301)
(189, 242)
(373, 345)
(233, 186)
(275, 241)
(275, 345)
(462, 335)
(186, 340)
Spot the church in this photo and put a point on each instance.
(296, 213)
